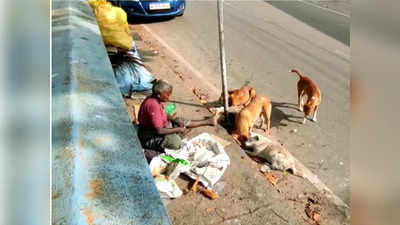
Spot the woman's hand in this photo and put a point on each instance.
(181, 129)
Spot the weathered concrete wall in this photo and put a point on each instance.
(99, 173)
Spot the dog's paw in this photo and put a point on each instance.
(304, 121)
(315, 120)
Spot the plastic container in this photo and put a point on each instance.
(170, 108)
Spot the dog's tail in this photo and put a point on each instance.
(297, 72)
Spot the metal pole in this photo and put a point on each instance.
(222, 55)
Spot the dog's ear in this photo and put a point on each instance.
(252, 93)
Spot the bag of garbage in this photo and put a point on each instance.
(132, 77)
(168, 166)
(167, 187)
(113, 24)
(95, 3)
(206, 157)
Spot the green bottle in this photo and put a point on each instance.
(170, 108)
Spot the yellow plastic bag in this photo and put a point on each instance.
(95, 3)
(113, 24)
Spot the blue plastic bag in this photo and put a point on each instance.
(130, 73)
(132, 77)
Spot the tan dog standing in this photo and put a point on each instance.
(246, 118)
(241, 97)
(305, 86)
(236, 99)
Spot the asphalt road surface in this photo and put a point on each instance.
(262, 43)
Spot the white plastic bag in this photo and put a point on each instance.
(167, 188)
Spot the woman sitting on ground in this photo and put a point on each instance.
(157, 131)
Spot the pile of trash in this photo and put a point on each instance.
(202, 158)
(130, 72)
(113, 24)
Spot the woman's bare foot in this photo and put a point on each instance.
(214, 119)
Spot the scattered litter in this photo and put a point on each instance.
(316, 217)
(201, 158)
(173, 170)
(271, 178)
(167, 187)
(341, 163)
(209, 193)
(157, 166)
(167, 165)
(206, 157)
(294, 131)
(202, 101)
(313, 211)
(194, 186)
(200, 95)
(265, 168)
(130, 72)
(311, 200)
(180, 75)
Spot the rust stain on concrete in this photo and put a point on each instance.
(95, 188)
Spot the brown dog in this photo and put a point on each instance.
(246, 118)
(240, 97)
(305, 86)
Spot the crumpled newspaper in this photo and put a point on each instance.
(206, 157)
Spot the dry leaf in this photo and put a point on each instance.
(202, 101)
(316, 217)
(308, 211)
(271, 178)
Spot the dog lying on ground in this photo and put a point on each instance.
(305, 86)
(246, 118)
(274, 153)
